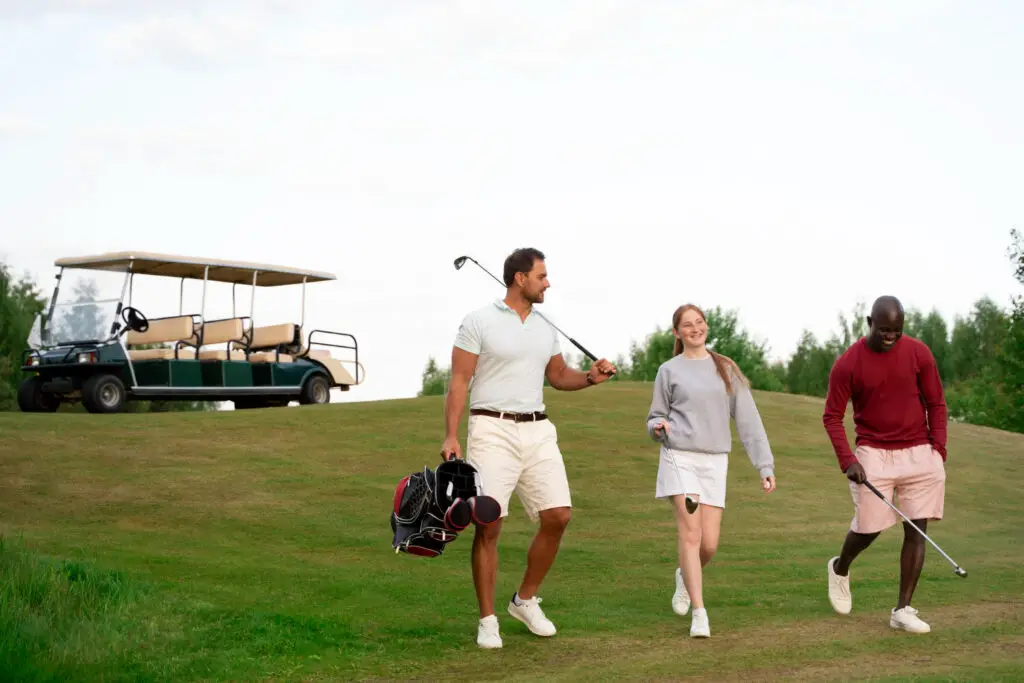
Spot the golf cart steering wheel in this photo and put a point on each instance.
(134, 319)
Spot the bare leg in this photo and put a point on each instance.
(485, 565)
(710, 530)
(688, 527)
(852, 547)
(911, 560)
(543, 549)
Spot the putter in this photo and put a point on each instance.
(461, 261)
(957, 569)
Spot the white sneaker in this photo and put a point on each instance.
(906, 619)
(681, 599)
(487, 635)
(530, 613)
(839, 590)
(699, 627)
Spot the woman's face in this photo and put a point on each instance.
(692, 329)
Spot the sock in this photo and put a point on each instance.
(699, 612)
(516, 600)
(489, 617)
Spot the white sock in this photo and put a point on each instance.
(490, 617)
(699, 612)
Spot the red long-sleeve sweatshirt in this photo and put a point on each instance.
(898, 401)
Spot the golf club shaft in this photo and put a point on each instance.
(910, 522)
(574, 342)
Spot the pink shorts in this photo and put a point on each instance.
(916, 475)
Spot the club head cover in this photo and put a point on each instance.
(485, 510)
(458, 515)
(411, 498)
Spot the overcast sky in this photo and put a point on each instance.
(784, 158)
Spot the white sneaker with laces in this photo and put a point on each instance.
(530, 613)
(699, 626)
(839, 590)
(906, 619)
(681, 599)
(487, 635)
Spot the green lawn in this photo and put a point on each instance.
(255, 545)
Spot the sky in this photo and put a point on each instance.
(783, 159)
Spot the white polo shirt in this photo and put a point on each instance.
(513, 354)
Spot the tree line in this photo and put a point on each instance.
(980, 360)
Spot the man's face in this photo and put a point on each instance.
(884, 330)
(535, 282)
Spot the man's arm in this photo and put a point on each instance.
(564, 378)
(463, 367)
(930, 385)
(465, 353)
(840, 381)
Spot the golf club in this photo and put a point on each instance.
(958, 570)
(461, 261)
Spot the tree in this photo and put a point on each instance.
(20, 303)
(434, 380)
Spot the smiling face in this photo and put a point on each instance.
(690, 327)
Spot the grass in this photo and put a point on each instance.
(255, 545)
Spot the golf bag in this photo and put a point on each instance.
(431, 508)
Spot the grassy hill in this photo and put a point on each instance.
(255, 545)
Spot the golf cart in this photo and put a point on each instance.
(103, 353)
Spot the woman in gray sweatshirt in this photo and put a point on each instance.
(696, 392)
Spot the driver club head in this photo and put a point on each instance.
(691, 505)
(459, 262)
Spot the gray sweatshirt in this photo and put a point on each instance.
(691, 397)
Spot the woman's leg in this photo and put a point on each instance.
(688, 527)
(710, 528)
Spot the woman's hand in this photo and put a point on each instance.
(661, 429)
(768, 484)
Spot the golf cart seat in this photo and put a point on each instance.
(333, 365)
(230, 332)
(272, 343)
(176, 330)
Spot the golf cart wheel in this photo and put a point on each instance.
(103, 393)
(32, 398)
(316, 390)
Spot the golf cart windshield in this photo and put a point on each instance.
(84, 311)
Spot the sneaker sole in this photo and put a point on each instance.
(903, 627)
(527, 624)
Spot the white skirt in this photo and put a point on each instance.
(703, 474)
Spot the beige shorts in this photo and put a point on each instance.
(917, 477)
(521, 457)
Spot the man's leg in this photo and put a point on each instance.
(911, 561)
(543, 549)
(485, 565)
(853, 546)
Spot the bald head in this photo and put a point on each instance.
(885, 324)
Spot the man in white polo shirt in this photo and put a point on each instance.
(507, 350)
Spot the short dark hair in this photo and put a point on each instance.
(520, 261)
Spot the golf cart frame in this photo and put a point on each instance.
(185, 357)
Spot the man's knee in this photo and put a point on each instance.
(555, 520)
(487, 535)
(911, 533)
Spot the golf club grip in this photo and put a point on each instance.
(580, 347)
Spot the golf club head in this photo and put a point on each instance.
(691, 505)
(961, 572)
(459, 262)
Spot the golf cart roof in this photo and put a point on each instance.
(238, 272)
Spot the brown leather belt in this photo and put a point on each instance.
(515, 417)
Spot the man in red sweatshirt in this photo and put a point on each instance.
(899, 413)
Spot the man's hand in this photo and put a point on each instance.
(856, 474)
(661, 429)
(600, 371)
(451, 448)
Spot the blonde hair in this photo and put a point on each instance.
(723, 364)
